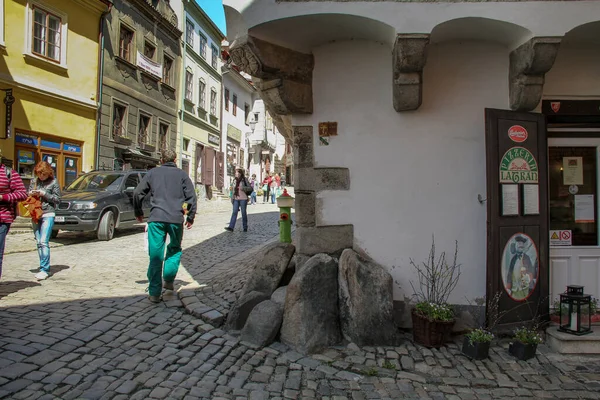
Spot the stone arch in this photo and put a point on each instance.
(481, 29)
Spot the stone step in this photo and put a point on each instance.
(566, 343)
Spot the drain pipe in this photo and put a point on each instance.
(182, 94)
(100, 83)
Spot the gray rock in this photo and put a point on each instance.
(241, 309)
(366, 301)
(270, 267)
(311, 316)
(263, 324)
(278, 296)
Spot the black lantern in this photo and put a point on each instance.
(575, 311)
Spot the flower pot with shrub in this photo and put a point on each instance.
(432, 316)
(476, 344)
(525, 343)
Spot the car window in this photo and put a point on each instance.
(98, 181)
(132, 181)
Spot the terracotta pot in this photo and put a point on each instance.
(430, 333)
(477, 350)
(522, 351)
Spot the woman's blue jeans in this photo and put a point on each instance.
(42, 231)
(237, 205)
(253, 198)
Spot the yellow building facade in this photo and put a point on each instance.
(49, 53)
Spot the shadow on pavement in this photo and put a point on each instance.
(54, 269)
(10, 287)
(68, 237)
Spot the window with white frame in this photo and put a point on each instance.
(46, 33)
(119, 121)
(202, 92)
(215, 57)
(213, 102)
(189, 78)
(189, 32)
(2, 23)
(203, 42)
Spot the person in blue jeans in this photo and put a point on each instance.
(254, 185)
(239, 199)
(47, 190)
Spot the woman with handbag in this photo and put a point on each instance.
(266, 188)
(46, 189)
(239, 199)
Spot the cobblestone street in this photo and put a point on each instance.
(88, 332)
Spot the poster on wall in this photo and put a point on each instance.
(510, 200)
(572, 171)
(531, 200)
(520, 266)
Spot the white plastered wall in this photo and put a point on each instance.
(413, 174)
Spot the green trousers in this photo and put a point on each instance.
(157, 235)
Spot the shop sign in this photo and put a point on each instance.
(26, 157)
(8, 101)
(517, 133)
(518, 165)
(148, 65)
(74, 148)
(555, 105)
(50, 144)
(213, 139)
(26, 139)
(234, 133)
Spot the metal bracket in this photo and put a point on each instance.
(481, 199)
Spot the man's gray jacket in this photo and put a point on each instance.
(169, 187)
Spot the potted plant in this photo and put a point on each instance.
(432, 316)
(525, 343)
(476, 344)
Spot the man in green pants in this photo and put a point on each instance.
(169, 188)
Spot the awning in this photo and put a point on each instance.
(136, 155)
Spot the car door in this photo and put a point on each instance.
(131, 182)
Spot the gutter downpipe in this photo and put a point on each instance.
(182, 93)
(100, 84)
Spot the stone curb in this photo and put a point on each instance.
(192, 302)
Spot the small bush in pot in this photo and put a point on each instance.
(525, 343)
(432, 316)
(476, 344)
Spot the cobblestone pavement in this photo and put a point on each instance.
(89, 332)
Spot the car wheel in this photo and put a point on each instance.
(106, 229)
(54, 234)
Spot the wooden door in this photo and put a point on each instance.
(220, 170)
(517, 216)
(208, 176)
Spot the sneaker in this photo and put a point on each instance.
(246, 230)
(168, 286)
(154, 299)
(228, 229)
(40, 276)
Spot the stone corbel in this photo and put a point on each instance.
(409, 57)
(284, 75)
(528, 65)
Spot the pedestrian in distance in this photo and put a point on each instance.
(239, 199)
(46, 189)
(254, 185)
(169, 188)
(266, 187)
(12, 191)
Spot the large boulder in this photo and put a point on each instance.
(241, 309)
(366, 301)
(263, 324)
(270, 267)
(278, 296)
(311, 316)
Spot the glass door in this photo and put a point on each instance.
(573, 172)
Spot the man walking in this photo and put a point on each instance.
(169, 188)
(12, 191)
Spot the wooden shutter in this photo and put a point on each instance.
(220, 170)
(208, 177)
(517, 166)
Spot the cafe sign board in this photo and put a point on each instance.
(518, 165)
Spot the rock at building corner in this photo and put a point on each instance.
(270, 267)
(311, 316)
(366, 302)
(263, 324)
(241, 309)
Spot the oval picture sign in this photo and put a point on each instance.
(517, 133)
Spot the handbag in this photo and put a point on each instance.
(23, 207)
(246, 188)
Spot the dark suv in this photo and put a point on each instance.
(99, 201)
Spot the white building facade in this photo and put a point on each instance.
(385, 103)
(201, 150)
